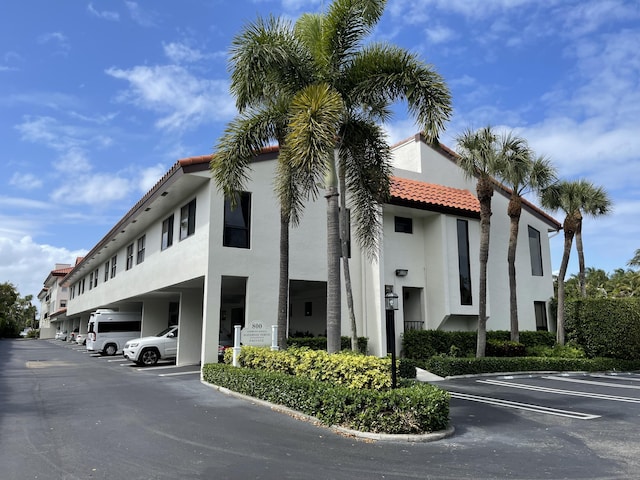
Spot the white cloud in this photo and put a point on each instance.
(150, 176)
(141, 17)
(26, 264)
(58, 39)
(182, 53)
(185, 100)
(25, 181)
(440, 34)
(104, 14)
(98, 189)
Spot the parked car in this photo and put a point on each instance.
(81, 338)
(61, 335)
(74, 333)
(147, 351)
(24, 333)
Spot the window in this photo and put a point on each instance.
(73, 291)
(141, 242)
(106, 270)
(95, 277)
(129, 256)
(82, 285)
(237, 222)
(90, 280)
(188, 219)
(167, 233)
(535, 250)
(113, 265)
(464, 265)
(541, 316)
(404, 224)
(63, 303)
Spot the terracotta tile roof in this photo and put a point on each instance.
(61, 271)
(433, 197)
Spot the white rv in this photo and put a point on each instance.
(109, 330)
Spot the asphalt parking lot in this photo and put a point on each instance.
(65, 413)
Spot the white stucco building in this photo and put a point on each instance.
(53, 301)
(181, 256)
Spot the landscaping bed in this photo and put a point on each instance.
(343, 389)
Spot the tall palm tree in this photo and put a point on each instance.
(595, 202)
(523, 173)
(337, 92)
(572, 197)
(635, 261)
(264, 111)
(479, 156)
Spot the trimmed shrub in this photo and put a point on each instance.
(344, 368)
(320, 343)
(421, 408)
(422, 344)
(448, 366)
(605, 327)
(504, 348)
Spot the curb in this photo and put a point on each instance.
(384, 437)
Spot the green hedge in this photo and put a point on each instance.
(419, 409)
(450, 366)
(422, 344)
(605, 327)
(344, 368)
(320, 343)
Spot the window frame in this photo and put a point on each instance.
(141, 244)
(166, 238)
(237, 234)
(535, 251)
(464, 262)
(129, 264)
(403, 224)
(187, 220)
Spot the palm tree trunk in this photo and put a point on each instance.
(568, 240)
(582, 282)
(283, 287)
(344, 244)
(333, 260)
(485, 192)
(514, 211)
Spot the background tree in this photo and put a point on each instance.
(16, 312)
(479, 157)
(523, 173)
(595, 202)
(571, 197)
(635, 261)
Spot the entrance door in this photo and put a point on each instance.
(412, 308)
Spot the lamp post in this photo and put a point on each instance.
(391, 305)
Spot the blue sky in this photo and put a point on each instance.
(100, 98)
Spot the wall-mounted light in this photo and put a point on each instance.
(401, 272)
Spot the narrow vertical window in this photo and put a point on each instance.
(237, 222)
(535, 251)
(90, 280)
(113, 265)
(141, 242)
(188, 219)
(464, 264)
(95, 277)
(541, 316)
(167, 233)
(106, 270)
(129, 265)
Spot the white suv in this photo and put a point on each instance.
(148, 350)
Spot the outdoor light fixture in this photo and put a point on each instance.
(391, 301)
(401, 272)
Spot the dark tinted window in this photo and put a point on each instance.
(464, 264)
(404, 224)
(237, 222)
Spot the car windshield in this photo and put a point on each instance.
(165, 331)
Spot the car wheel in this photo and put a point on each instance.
(149, 357)
(110, 350)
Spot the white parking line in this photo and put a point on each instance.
(524, 406)
(178, 373)
(592, 382)
(600, 396)
(617, 376)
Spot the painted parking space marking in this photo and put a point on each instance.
(617, 376)
(593, 382)
(599, 396)
(178, 373)
(524, 406)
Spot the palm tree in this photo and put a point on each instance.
(264, 110)
(479, 157)
(635, 261)
(595, 202)
(337, 92)
(572, 197)
(522, 173)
